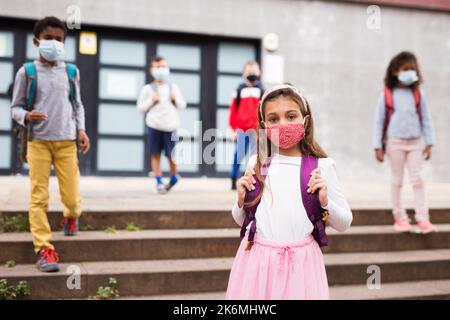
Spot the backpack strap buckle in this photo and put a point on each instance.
(325, 217)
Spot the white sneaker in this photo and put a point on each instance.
(161, 188)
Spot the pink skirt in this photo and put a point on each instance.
(278, 271)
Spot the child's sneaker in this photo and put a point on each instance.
(402, 225)
(425, 227)
(48, 260)
(70, 226)
(161, 188)
(173, 181)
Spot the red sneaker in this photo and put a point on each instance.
(48, 260)
(70, 226)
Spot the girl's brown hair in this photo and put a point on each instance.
(390, 80)
(308, 145)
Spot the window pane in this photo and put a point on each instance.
(120, 154)
(120, 119)
(190, 122)
(5, 115)
(232, 56)
(5, 155)
(186, 155)
(222, 124)
(189, 85)
(128, 53)
(180, 56)
(6, 76)
(121, 84)
(224, 156)
(70, 49)
(226, 86)
(6, 44)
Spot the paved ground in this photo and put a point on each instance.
(101, 193)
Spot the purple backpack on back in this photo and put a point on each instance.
(316, 214)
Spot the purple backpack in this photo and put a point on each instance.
(316, 214)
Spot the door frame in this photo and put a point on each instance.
(89, 66)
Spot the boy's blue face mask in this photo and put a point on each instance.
(408, 77)
(51, 50)
(161, 74)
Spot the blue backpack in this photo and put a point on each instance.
(30, 71)
(24, 134)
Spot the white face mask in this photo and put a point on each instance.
(51, 50)
(161, 74)
(408, 77)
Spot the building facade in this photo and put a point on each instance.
(336, 52)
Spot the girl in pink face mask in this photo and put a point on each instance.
(287, 125)
(288, 194)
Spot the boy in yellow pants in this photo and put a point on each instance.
(46, 100)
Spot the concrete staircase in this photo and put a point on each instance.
(188, 255)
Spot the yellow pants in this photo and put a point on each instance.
(40, 156)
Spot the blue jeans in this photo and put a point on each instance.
(245, 145)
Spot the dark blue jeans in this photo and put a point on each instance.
(245, 146)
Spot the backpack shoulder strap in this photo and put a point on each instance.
(416, 94)
(250, 211)
(238, 94)
(389, 101)
(71, 70)
(171, 93)
(389, 110)
(72, 73)
(262, 92)
(308, 164)
(154, 87)
(30, 71)
(238, 97)
(252, 195)
(250, 214)
(311, 200)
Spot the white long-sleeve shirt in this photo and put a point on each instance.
(163, 115)
(282, 217)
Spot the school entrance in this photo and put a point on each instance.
(206, 68)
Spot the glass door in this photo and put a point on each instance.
(231, 58)
(6, 80)
(184, 61)
(121, 143)
(206, 71)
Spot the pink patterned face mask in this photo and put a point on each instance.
(286, 136)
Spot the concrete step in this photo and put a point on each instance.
(431, 289)
(179, 276)
(395, 266)
(171, 219)
(204, 243)
(424, 290)
(196, 219)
